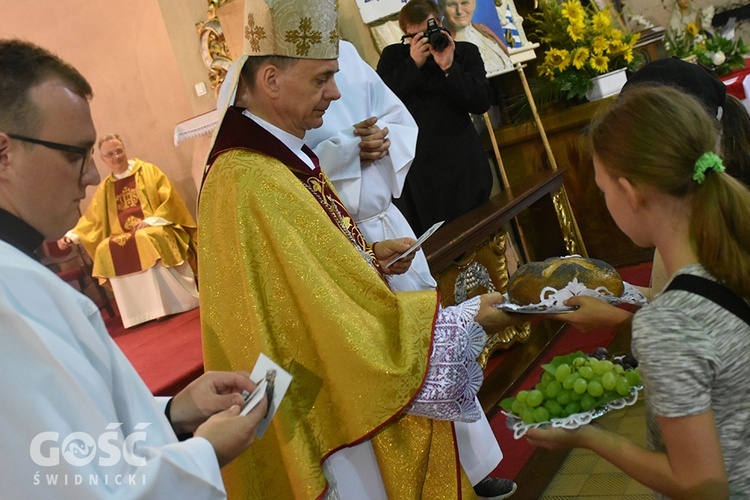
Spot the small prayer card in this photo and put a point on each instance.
(272, 380)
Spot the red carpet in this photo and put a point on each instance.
(167, 353)
(517, 452)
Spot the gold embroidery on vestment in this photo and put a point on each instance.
(254, 33)
(126, 199)
(304, 37)
(121, 239)
(132, 222)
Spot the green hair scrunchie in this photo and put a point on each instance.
(707, 161)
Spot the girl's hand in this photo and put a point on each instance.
(593, 313)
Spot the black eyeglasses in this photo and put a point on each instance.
(84, 152)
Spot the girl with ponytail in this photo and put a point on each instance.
(657, 161)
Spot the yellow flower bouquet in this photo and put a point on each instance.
(581, 43)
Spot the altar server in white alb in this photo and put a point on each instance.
(77, 420)
(366, 145)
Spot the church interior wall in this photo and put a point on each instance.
(123, 48)
(142, 58)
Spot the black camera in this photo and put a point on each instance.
(436, 35)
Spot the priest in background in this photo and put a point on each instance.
(140, 236)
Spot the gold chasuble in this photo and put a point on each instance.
(281, 274)
(108, 228)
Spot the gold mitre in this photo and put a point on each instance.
(304, 29)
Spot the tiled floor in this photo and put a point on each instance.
(586, 476)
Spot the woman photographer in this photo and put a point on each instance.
(451, 173)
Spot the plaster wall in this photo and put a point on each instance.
(124, 49)
(142, 58)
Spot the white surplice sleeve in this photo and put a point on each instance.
(78, 420)
(453, 375)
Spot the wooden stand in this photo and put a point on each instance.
(571, 233)
(521, 145)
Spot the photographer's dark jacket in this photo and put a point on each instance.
(451, 173)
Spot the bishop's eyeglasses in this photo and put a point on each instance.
(86, 153)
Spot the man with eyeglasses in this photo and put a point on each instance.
(77, 419)
(140, 236)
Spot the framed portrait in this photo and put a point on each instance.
(486, 14)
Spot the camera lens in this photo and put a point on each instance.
(439, 40)
(436, 35)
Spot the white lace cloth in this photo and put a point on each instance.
(553, 301)
(453, 379)
(453, 374)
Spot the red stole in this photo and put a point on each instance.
(241, 132)
(123, 247)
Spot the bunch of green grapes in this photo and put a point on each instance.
(566, 388)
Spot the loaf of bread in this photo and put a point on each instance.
(526, 285)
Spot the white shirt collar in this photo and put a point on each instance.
(122, 175)
(292, 142)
